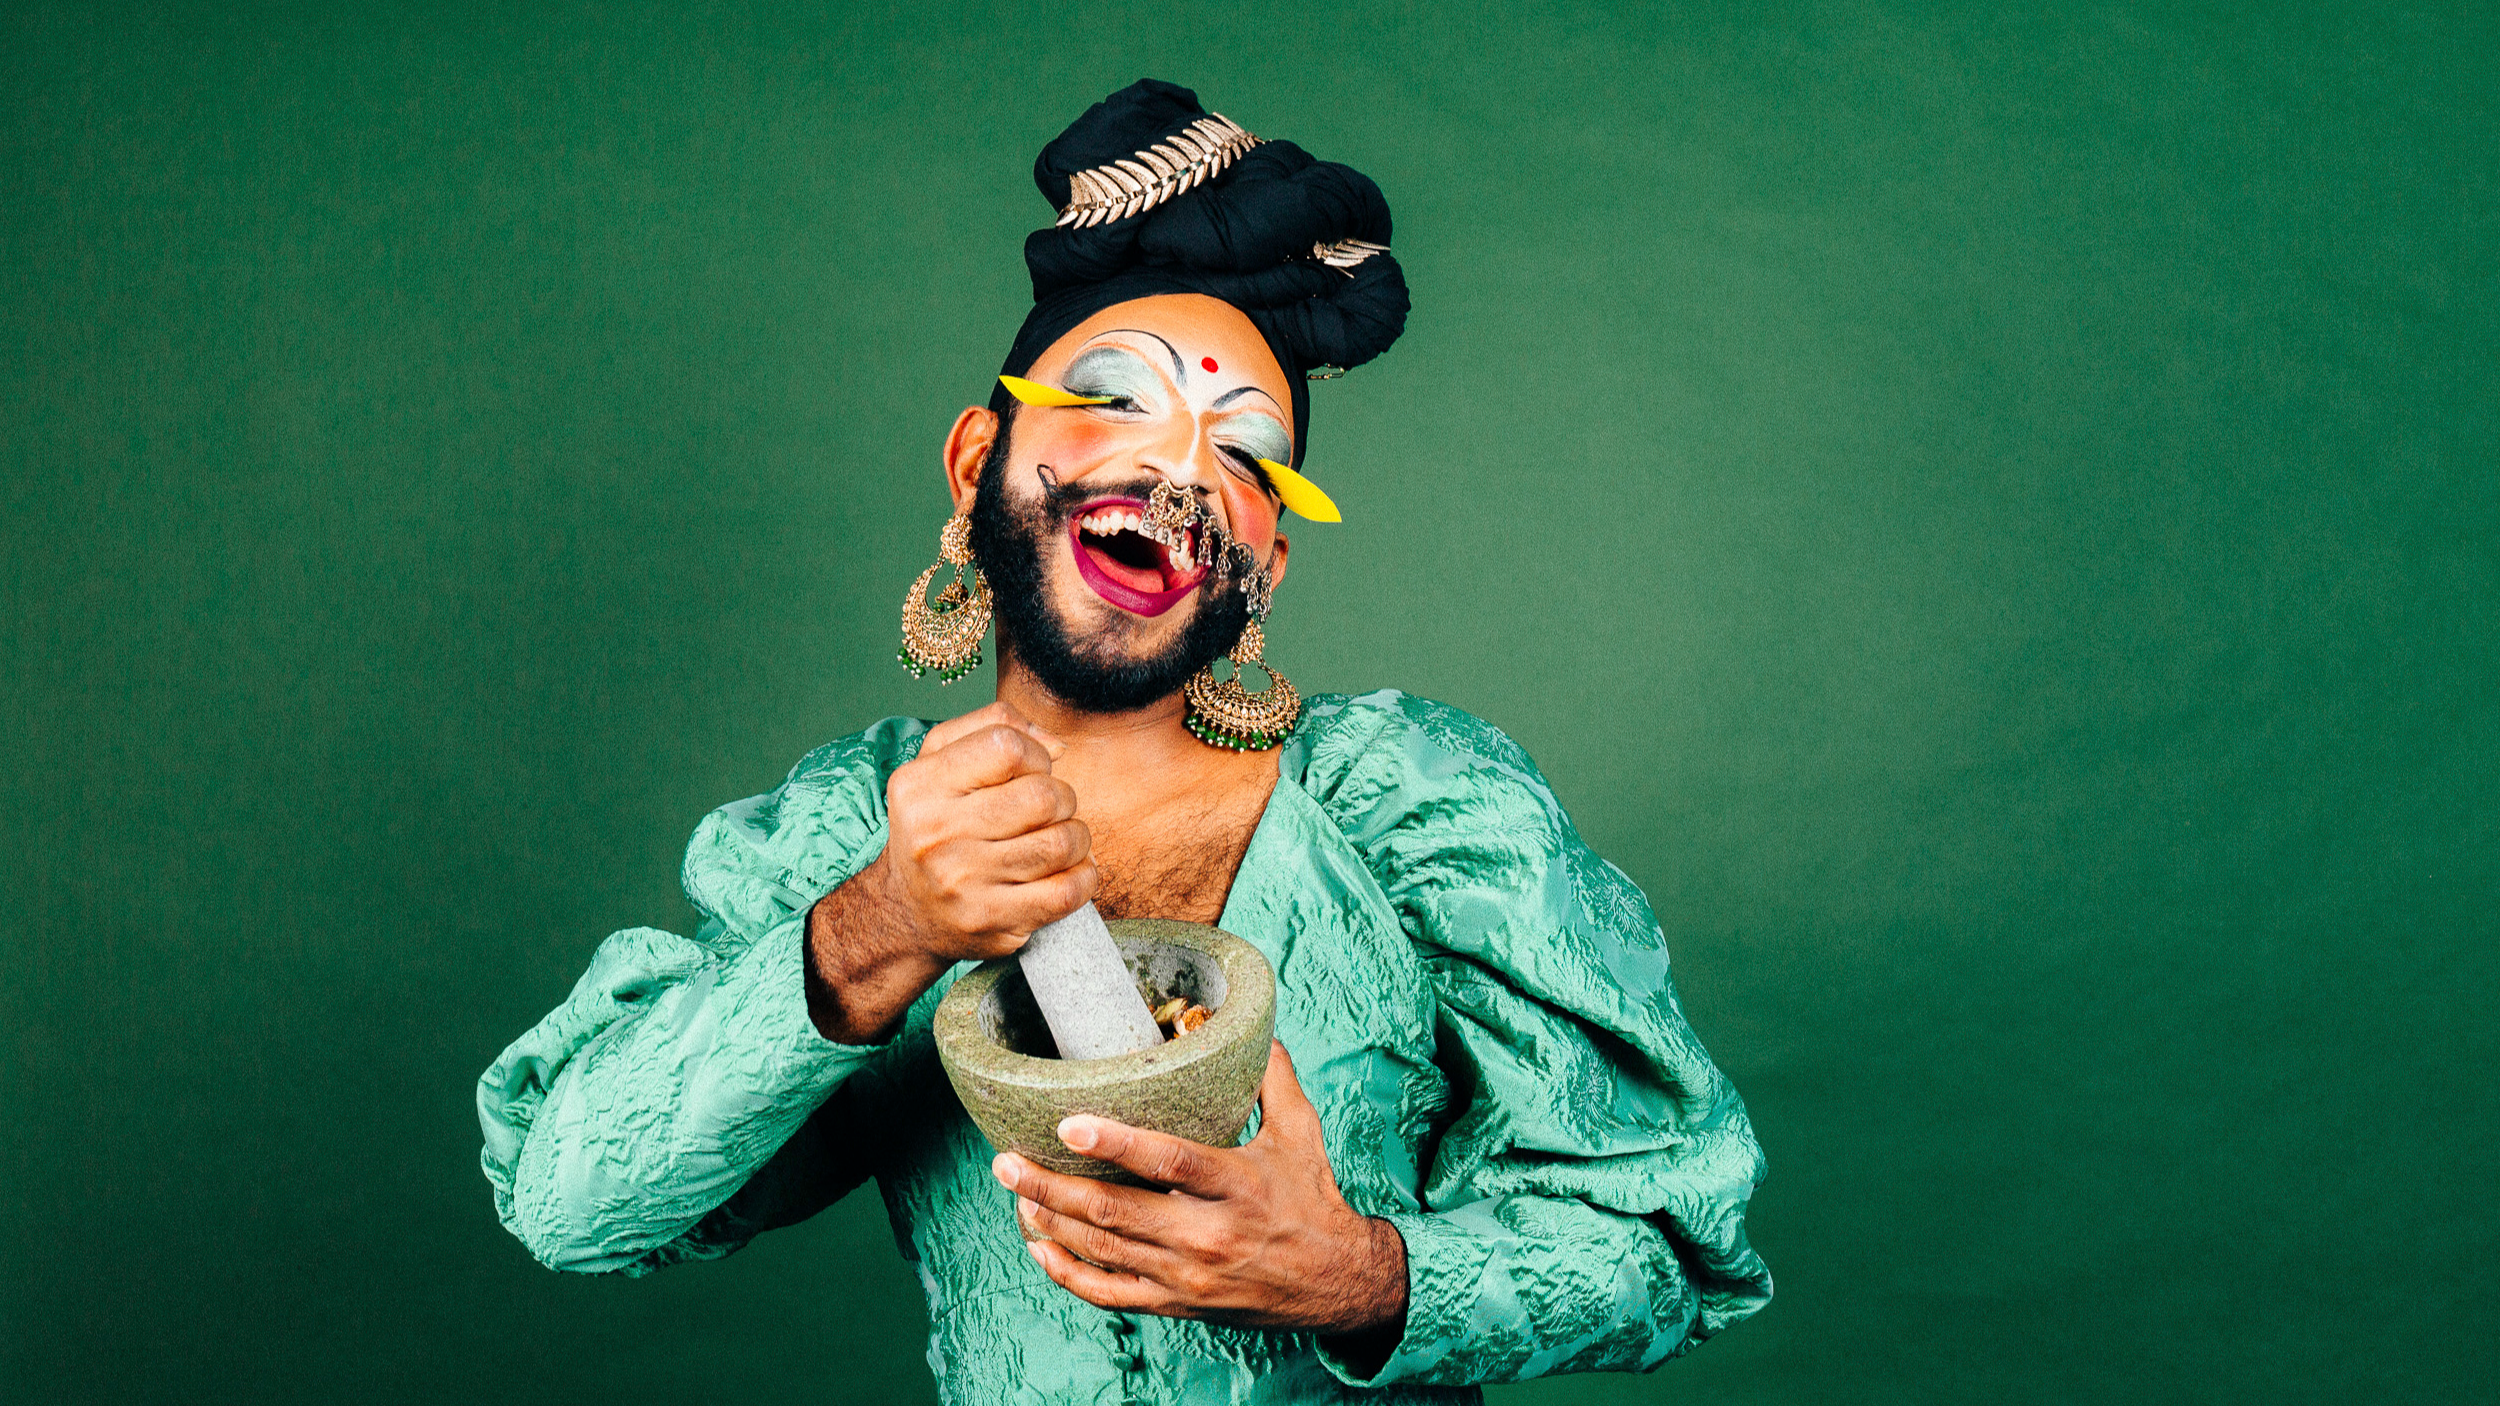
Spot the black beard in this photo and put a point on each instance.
(1008, 539)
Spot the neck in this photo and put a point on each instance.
(1120, 760)
(1153, 728)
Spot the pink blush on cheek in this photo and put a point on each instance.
(1080, 442)
(1247, 509)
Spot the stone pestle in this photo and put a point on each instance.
(1084, 989)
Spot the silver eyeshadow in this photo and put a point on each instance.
(1114, 371)
(1117, 371)
(1256, 435)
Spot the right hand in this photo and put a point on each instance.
(983, 844)
(982, 847)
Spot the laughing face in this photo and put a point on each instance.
(1109, 607)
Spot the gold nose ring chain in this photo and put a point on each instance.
(1177, 518)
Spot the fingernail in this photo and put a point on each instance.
(1077, 1134)
(1003, 1167)
(1025, 1207)
(1034, 1248)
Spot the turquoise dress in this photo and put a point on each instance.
(1477, 1004)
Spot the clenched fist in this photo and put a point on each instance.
(982, 847)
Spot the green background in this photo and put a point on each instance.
(1989, 517)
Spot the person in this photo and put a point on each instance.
(1488, 1146)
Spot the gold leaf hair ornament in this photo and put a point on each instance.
(1300, 494)
(1035, 393)
(1138, 183)
(1346, 253)
(1344, 256)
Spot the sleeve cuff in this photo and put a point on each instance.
(1445, 1264)
(769, 1014)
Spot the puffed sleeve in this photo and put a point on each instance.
(1585, 1210)
(663, 1112)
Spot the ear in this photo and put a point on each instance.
(967, 447)
(1276, 561)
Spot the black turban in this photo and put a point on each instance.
(1245, 236)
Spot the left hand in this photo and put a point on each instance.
(1256, 1235)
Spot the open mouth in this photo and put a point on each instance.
(1124, 566)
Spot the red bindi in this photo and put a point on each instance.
(1208, 362)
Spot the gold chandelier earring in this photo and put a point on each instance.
(1230, 716)
(945, 634)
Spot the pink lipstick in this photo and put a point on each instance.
(1140, 590)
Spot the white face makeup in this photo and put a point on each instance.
(1149, 380)
(1191, 399)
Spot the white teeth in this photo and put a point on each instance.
(1109, 520)
(1184, 552)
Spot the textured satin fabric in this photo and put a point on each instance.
(1477, 1004)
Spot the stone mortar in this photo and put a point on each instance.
(1201, 1086)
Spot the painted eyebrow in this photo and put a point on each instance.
(1237, 393)
(1180, 372)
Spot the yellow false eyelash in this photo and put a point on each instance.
(1035, 393)
(1300, 494)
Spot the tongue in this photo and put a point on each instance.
(1137, 578)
